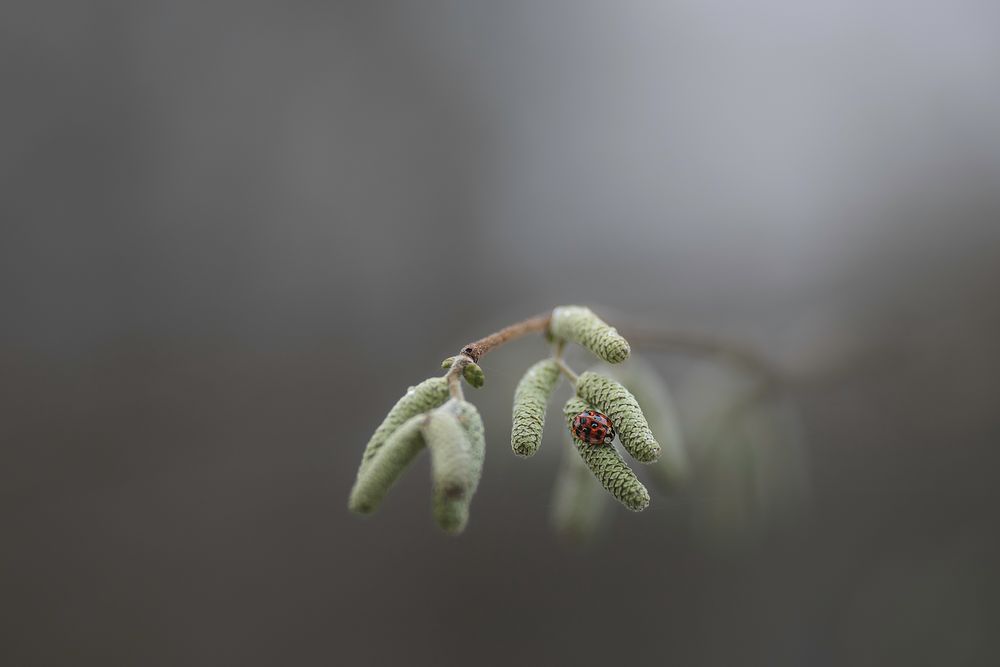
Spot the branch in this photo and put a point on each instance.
(475, 351)
(681, 341)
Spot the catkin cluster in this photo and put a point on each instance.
(580, 325)
(453, 432)
(607, 465)
(427, 395)
(530, 397)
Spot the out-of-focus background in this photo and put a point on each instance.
(234, 233)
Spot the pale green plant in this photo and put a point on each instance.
(434, 415)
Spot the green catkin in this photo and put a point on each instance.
(580, 325)
(672, 469)
(446, 364)
(607, 465)
(427, 395)
(530, 397)
(626, 416)
(468, 417)
(456, 464)
(579, 503)
(395, 454)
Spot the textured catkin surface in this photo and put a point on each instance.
(427, 395)
(617, 403)
(530, 397)
(580, 325)
(607, 465)
(396, 453)
(455, 467)
(468, 417)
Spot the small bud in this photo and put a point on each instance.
(530, 397)
(615, 401)
(607, 465)
(446, 364)
(427, 395)
(456, 462)
(580, 325)
(396, 453)
(474, 375)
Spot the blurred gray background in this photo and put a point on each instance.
(233, 233)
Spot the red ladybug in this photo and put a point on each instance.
(593, 428)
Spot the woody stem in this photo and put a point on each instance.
(475, 351)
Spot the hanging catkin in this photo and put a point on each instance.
(453, 434)
(580, 325)
(617, 403)
(607, 465)
(530, 397)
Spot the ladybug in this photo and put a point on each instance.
(593, 428)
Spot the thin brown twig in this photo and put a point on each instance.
(474, 351)
(683, 341)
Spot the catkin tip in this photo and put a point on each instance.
(378, 476)
(454, 435)
(580, 325)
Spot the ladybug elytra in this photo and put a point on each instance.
(593, 428)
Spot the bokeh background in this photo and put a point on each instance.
(235, 232)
